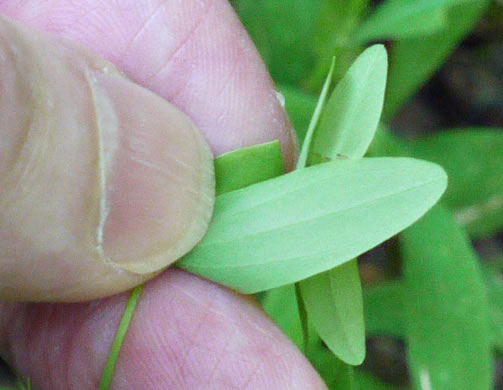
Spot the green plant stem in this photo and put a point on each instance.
(108, 373)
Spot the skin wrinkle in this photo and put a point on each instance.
(141, 30)
(226, 317)
(204, 14)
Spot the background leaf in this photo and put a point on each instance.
(263, 236)
(333, 31)
(398, 19)
(369, 382)
(350, 118)
(336, 310)
(283, 32)
(336, 374)
(384, 309)
(447, 314)
(414, 60)
(475, 191)
(300, 107)
(281, 305)
(247, 166)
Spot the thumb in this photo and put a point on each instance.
(102, 183)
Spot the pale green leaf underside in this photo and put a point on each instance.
(398, 19)
(333, 299)
(289, 228)
(350, 119)
(334, 303)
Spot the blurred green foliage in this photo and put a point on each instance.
(444, 307)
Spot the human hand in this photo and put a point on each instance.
(187, 332)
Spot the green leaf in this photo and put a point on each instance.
(336, 374)
(349, 121)
(473, 161)
(366, 381)
(286, 50)
(300, 107)
(334, 304)
(494, 281)
(414, 60)
(334, 28)
(289, 228)
(384, 310)
(108, 372)
(281, 305)
(306, 146)
(244, 167)
(334, 299)
(399, 19)
(447, 314)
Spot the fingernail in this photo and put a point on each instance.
(156, 177)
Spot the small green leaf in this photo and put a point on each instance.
(292, 227)
(281, 305)
(306, 146)
(398, 19)
(349, 121)
(336, 374)
(300, 107)
(414, 60)
(447, 314)
(473, 161)
(244, 167)
(334, 303)
(384, 308)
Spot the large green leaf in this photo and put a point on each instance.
(349, 121)
(334, 304)
(398, 19)
(283, 32)
(289, 228)
(243, 167)
(414, 60)
(473, 159)
(447, 314)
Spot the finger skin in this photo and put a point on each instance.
(187, 333)
(182, 51)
